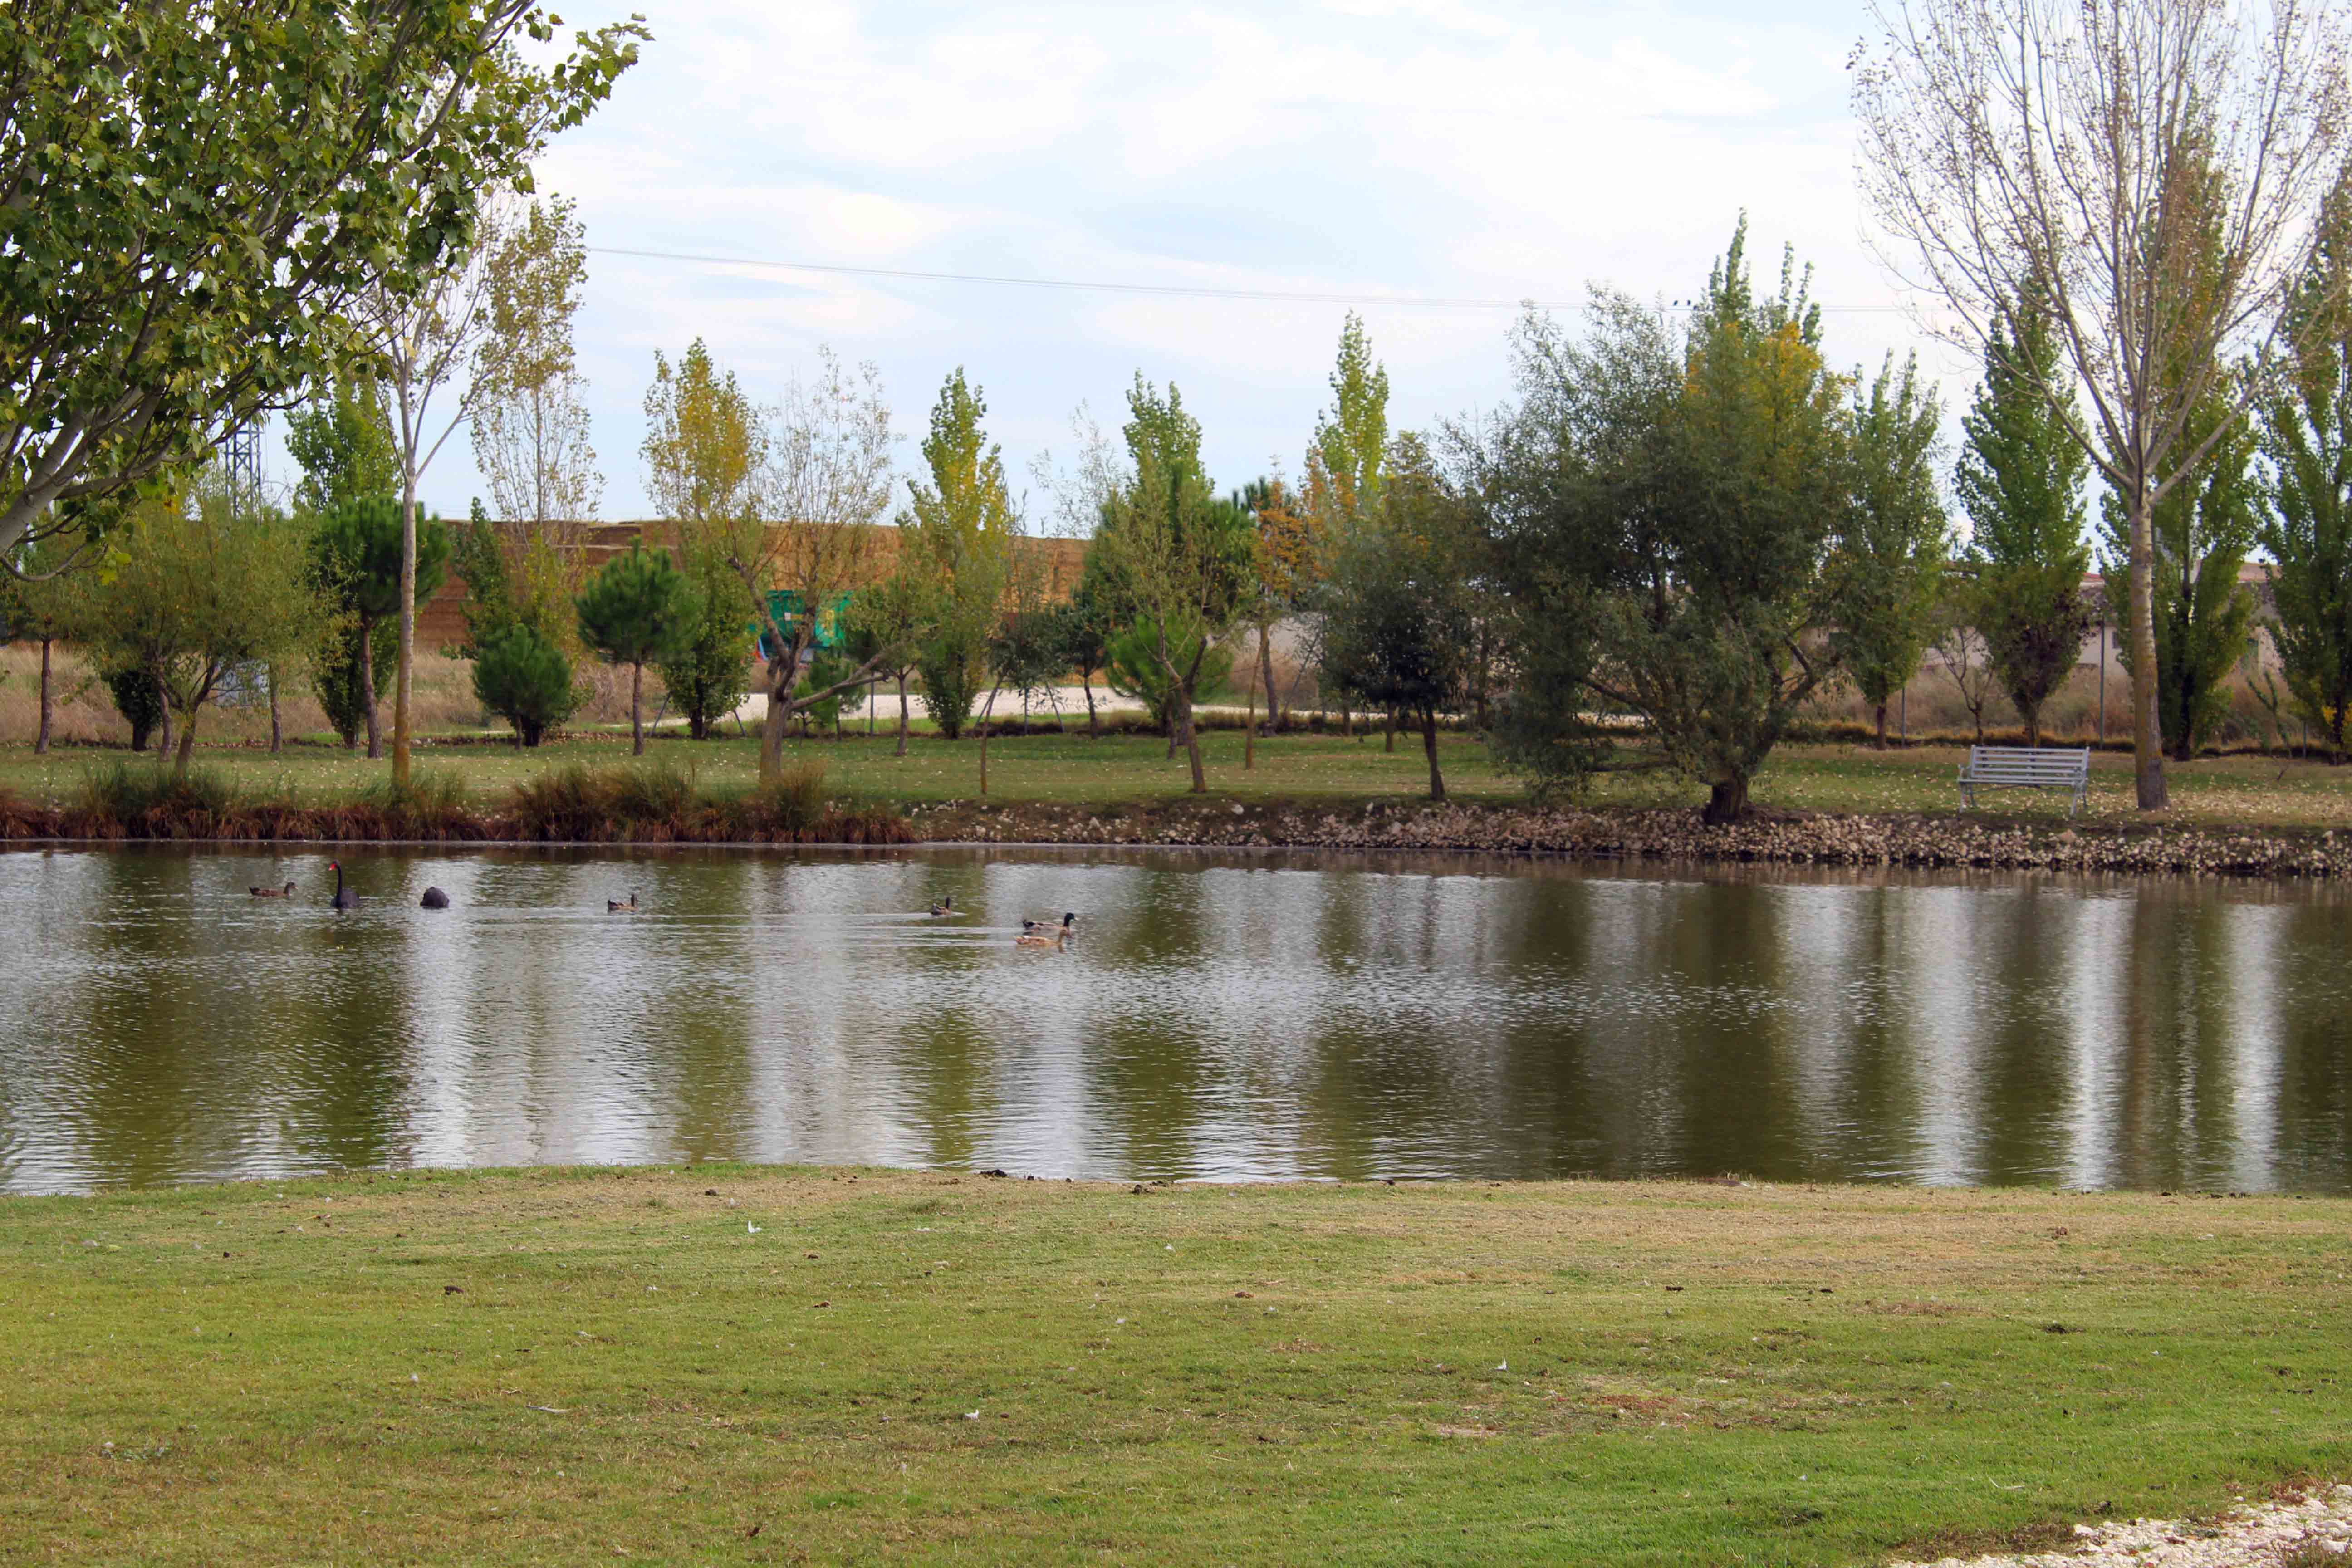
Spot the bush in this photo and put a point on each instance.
(140, 700)
(950, 677)
(525, 680)
(432, 805)
(150, 801)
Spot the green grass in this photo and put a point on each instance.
(1127, 770)
(567, 1366)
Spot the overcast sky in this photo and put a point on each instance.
(1414, 148)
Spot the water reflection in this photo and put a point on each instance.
(1218, 1017)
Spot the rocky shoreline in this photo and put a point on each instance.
(1920, 841)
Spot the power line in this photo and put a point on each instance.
(1176, 291)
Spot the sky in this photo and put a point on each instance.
(1387, 150)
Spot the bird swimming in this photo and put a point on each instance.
(285, 892)
(1044, 936)
(1046, 928)
(344, 899)
(615, 907)
(944, 907)
(433, 898)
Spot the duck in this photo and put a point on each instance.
(1047, 928)
(433, 898)
(344, 899)
(944, 907)
(615, 907)
(1044, 936)
(285, 892)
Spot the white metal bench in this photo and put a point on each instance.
(2027, 767)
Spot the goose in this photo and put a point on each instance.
(344, 898)
(944, 907)
(433, 898)
(1047, 928)
(285, 892)
(615, 907)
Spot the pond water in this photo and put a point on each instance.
(1225, 1017)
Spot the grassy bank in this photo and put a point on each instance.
(721, 1365)
(1128, 771)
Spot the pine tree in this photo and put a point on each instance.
(636, 609)
(2020, 477)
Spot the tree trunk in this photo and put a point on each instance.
(407, 625)
(636, 724)
(986, 709)
(277, 726)
(1191, 740)
(902, 712)
(2032, 717)
(1266, 670)
(1249, 729)
(779, 676)
(1347, 719)
(1726, 802)
(41, 744)
(1882, 726)
(187, 743)
(163, 739)
(1094, 724)
(367, 689)
(1172, 730)
(2147, 738)
(1429, 744)
(1388, 743)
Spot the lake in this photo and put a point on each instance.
(1219, 1015)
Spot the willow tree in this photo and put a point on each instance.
(2063, 144)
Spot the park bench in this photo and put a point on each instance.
(2027, 767)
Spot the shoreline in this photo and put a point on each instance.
(1633, 836)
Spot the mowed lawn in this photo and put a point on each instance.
(1128, 770)
(720, 1364)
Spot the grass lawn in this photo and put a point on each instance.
(576, 1366)
(1124, 769)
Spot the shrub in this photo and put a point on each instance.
(145, 802)
(140, 700)
(336, 682)
(525, 680)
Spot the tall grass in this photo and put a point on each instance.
(649, 803)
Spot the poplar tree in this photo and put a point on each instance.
(957, 540)
(2306, 521)
(2019, 478)
(1886, 569)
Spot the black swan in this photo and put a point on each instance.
(344, 898)
(434, 899)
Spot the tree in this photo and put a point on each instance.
(525, 680)
(1087, 621)
(829, 478)
(636, 609)
(706, 455)
(2019, 476)
(1710, 632)
(2156, 169)
(41, 605)
(139, 699)
(2305, 526)
(189, 200)
(1966, 660)
(1399, 622)
(1284, 560)
(1179, 553)
(343, 439)
(1345, 458)
(357, 553)
(203, 586)
(886, 623)
(2202, 614)
(957, 538)
(1886, 568)
(529, 419)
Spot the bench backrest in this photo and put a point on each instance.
(2028, 765)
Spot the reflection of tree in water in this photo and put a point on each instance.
(2313, 984)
